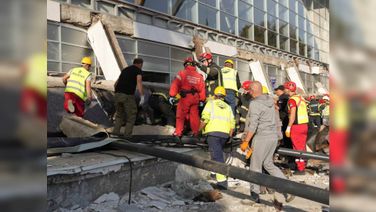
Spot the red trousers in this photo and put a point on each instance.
(299, 134)
(78, 103)
(32, 102)
(188, 107)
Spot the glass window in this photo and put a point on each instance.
(284, 13)
(300, 8)
(245, 11)
(124, 12)
(158, 5)
(74, 36)
(309, 26)
(243, 66)
(272, 23)
(310, 51)
(292, 4)
(183, 9)
(82, 3)
(272, 38)
(292, 18)
(68, 66)
(156, 64)
(52, 66)
(283, 43)
(179, 54)
(176, 67)
(73, 53)
(301, 35)
(301, 22)
(259, 34)
(284, 2)
(259, 17)
(308, 4)
(259, 4)
(155, 77)
(293, 32)
(210, 2)
(245, 29)
(127, 45)
(105, 7)
(143, 18)
(53, 52)
(129, 58)
(52, 32)
(207, 16)
(272, 7)
(245, 75)
(293, 48)
(227, 23)
(302, 49)
(283, 28)
(152, 49)
(227, 6)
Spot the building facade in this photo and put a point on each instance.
(286, 29)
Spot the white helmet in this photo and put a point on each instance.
(326, 98)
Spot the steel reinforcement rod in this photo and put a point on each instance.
(301, 154)
(280, 185)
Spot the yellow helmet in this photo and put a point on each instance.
(229, 61)
(220, 91)
(86, 60)
(178, 96)
(265, 90)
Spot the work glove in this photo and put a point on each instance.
(288, 132)
(172, 100)
(142, 100)
(244, 145)
(249, 153)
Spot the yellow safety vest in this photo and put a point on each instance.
(229, 78)
(36, 77)
(301, 110)
(218, 117)
(76, 82)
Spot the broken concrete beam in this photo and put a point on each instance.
(198, 43)
(73, 126)
(75, 15)
(121, 25)
(115, 46)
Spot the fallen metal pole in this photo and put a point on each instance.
(280, 185)
(301, 154)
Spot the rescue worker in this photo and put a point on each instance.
(324, 110)
(283, 114)
(245, 98)
(231, 83)
(261, 129)
(125, 100)
(218, 123)
(212, 71)
(159, 102)
(314, 115)
(78, 88)
(297, 127)
(190, 85)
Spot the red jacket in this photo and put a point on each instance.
(188, 79)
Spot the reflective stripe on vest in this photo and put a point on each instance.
(76, 82)
(220, 118)
(161, 95)
(229, 78)
(301, 110)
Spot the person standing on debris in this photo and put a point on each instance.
(190, 85)
(297, 127)
(314, 114)
(218, 123)
(245, 98)
(261, 129)
(213, 72)
(283, 113)
(78, 88)
(231, 82)
(125, 101)
(324, 110)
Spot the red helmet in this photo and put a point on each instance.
(290, 86)
(205, 56)
(188, 61)
(247, 85)
(311, 97)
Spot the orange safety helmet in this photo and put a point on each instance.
(246, 85)
(290, 86)
(205, 56)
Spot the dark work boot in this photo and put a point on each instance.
(255, 197)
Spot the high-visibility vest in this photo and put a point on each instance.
(36, 77)
(229, 78)
(325, 111)
(76, 82)
(301, 110)
(219, 116)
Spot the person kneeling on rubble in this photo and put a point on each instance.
(191, 87)
(261, 128)
(218, 123)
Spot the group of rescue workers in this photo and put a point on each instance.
(227, 108)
